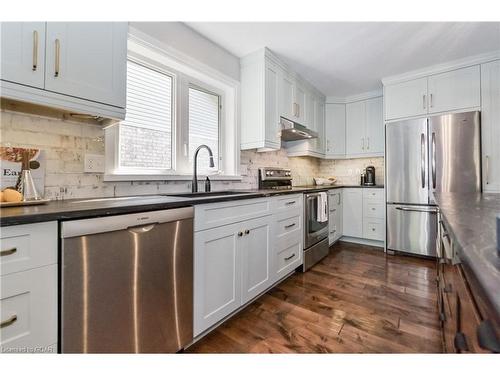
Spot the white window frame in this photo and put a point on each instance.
(185, 72)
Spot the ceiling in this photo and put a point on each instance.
(349, 58)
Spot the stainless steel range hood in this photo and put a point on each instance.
(293, 131)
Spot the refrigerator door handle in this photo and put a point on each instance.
(415, 209)
(433, 162)
(422, 159)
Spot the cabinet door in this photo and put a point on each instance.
(319, 120)
(455, 90)
(335, 129)
(28, 310)
(300, 101)
(87, 60)
(374, 143)
(352, 212)
(310, 111)
(23, 53)
(272, 118)
(287, 95)
(335, 217)
(490, 125)
(406, 99)
(217, 275)
(355, 128)
(256, 257)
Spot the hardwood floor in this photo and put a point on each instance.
(357, 300)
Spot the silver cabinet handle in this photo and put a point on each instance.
(247, 231)
(422, 159)
(430, 105)
(290, 257)
(368, 143)
(362, 143)
(58, 57)
(487, 170)
(35, 50)
(240, 234)
(7, 322)
(423, 101)
(298, 110)
(289, 226)
(433, 162)
(8, 251)
(338, 195)
(333, 209)
(290, 202)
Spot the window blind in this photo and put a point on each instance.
(203, 127)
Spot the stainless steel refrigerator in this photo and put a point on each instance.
(424, 156)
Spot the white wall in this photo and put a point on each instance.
(184, 39)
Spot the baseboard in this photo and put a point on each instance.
(362, 241)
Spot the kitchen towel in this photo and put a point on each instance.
(322, 208)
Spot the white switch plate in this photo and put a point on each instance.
(94, 163)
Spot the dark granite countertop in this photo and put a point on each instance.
(79, 209)
(470, 219)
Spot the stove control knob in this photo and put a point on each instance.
(271, 173)
(268, 173)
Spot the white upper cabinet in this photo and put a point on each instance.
(74, 66)
(455, 90)
(444, 92)
(335, 130)
(287, 95)
(260, 104)
(23, 53)
(490, 125)
(300, 104)
(355, 128)
(269, 90)
(87, 60)
(364, 128)
(406, 99)
(374, 126)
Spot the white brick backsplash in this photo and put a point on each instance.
(65, 143)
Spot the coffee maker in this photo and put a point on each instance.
(370, 176)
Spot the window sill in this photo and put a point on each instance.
(157, 177)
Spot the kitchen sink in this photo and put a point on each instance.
(211, 194)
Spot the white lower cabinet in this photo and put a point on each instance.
(217, 275)
(335, 215)
(234, 263)
(352, 212)
(28, 288)
(364, 213)
(28, 309)
(256, 257)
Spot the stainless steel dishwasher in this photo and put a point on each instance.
(127, 283)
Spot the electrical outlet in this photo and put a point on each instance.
(94, 163)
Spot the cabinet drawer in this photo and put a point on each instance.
(29, 301)
(374, 193)
(373, 209)
(287, 225)
(373, 229)
(27, 246)
(288, 258)
(218, 214)
(288, 202)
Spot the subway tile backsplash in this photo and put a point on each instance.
(66, 142)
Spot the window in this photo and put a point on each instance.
(146, 133)
(174, 105)
(204, 120)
